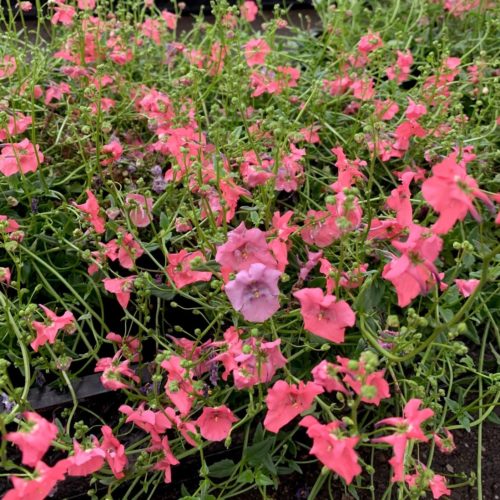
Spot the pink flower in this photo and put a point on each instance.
(402, 69)
(115, 452)
(326, 375)
(85, 461)
(35, 441)
(113, 369)
(249, 10)
(170, 19)
(63, 14)
(8, 66)
(332, 448)
(121, 287)
(370, 42)
(154, 423)
(139, 209)
(256, 51)
(385, 110)
(125, 249)
(414, 111)
(407, 427)
(414, 272)
(92, 209)
(255, 292)
(86, 4)
(20, 157)
(5, 275)
(113, 150)
(47, 332)
(243, 248)
(286, 401)
(25, 6)
(18, 123)
(451, 192)
(446, 444)
(324, 315)
(40, 487)
(467, 287)
(167, 461)
(215, 423)
(425, 478)
(180, 271)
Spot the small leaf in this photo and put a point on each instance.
(224, 468)
(246, 477)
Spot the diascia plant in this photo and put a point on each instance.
(273, 241)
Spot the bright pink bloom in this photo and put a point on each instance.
(113, 150)
(121, 287)
(446, 444)
(370, 42)
(5, 275)
(243, 248)
(85, 461)
(46, 332)
(25, 6)
(40, 487)
(63, 14)
(255, 292)
(215, 423)
(324, 315)
(115, 452)
(467, 287)
(256, 51)
(286, 401)
(125, 249)
(332, 448)
(170, 19)
(139, 209)
(451, 192)
(152, 422)
(18, 123)
(407, 427)
(8, 66)
(167, 461)
(20, 157)
(414, 272)
(399, 201)
(180, 271)
(425, 478)
(35, 441)
(414, 111)
(86, 4)
(249, 10)
(326, 375)
(92, 209)
(113, 370)
(386, 110)
(402, 69)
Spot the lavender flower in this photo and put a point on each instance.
(255, 292)
(159, 185)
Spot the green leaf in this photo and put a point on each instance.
(262, 480)
(224, 468)
(256, 453)
(163, 292)
(246, 477)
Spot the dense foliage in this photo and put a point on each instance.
(278, 236)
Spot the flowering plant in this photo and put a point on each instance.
(276, 239)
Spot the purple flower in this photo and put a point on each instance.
(255, 292)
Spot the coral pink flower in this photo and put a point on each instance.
(179, 386)
(215, 423)
(170, 19)
(139, 209)
(167, 461)
(466, 287)
(370, 42)
(5, 275)
(425, 478)
(414, 272)
(326, 375)
(286, 401)
(115, 452)
(414, 111)
(255, 292)
(324, 315)
(180, 271)
(25, 6)
(125, 249)
(63, 13)
(113, 370)
(446, 444)
(8, 66)
(256, 51)
(113, 150)
(85, 461)
(121, 287)
(46, 332)
(152, 422)
(20, 157)
(92, 209)
(399, 200)
(243, 248)
(402, 69)
(18, 123)
(249, 10)
(407, 427)
(332, 449)
(451, 192)
(86, 4)
(34, 441)
(40, 487)
(385, 110)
